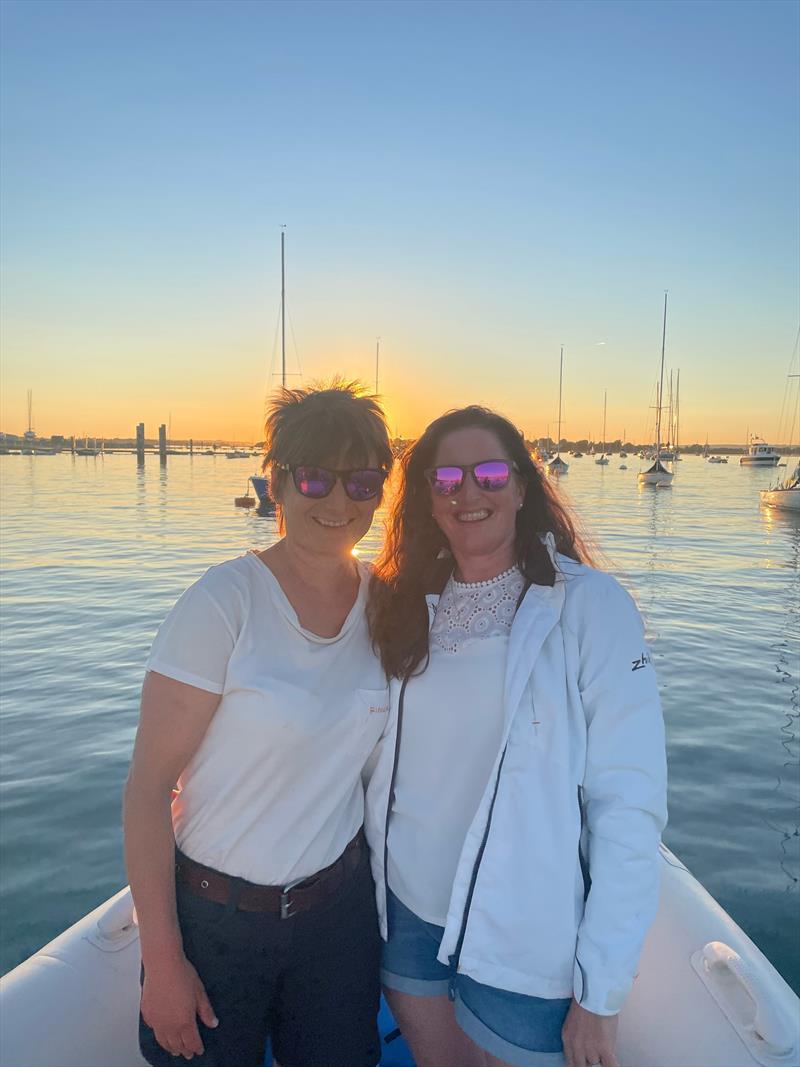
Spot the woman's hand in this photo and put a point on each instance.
(172, 998)
(589, 1038)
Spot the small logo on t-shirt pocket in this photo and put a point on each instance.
(374, 701)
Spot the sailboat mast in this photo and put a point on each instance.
(283, 309)
(677, 409)
(661, 381)
(670, 414)
(605, 401)
(30, 410)
(560, 380)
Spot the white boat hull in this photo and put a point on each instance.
(759, 461)
(787, 499)
(655, 477)
(75, 1003)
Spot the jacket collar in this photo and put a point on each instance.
(536, 617)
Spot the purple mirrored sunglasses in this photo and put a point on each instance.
(490, 474)
(360, 484)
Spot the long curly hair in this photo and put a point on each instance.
(412, 561)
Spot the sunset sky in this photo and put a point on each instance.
(475, 183)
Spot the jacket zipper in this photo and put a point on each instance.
(390, 803)
(454, 959)
(587, 885)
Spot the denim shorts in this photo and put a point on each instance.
(524, 1031)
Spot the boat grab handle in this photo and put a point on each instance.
(116, 927)
(721, 968)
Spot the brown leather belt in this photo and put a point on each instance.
(280, 900)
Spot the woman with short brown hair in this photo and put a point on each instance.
(263, 699)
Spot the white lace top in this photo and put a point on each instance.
(476, 609)
(452, 725)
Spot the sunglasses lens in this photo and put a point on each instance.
(314, 482)
(446, 480)
(364, 485)
(492, 476)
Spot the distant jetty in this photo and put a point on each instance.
(192, 446)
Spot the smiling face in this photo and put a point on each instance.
(478, 524)
(330, 526)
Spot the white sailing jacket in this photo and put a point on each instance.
(581, 771)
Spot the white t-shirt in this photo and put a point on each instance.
(273, 793)
(452, 725)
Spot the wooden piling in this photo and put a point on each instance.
(162, 442)
(140, 442)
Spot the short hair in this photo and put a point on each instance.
(334, 424)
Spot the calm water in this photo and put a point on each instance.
(95, 551)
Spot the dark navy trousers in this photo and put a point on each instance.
(307, 985)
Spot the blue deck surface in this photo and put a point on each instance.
(396, 1053)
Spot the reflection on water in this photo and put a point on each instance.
(785, 819)
(95, 551)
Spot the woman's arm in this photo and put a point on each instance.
(174, 719)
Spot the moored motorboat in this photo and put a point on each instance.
(759, 454)
(705, 996)
(87, 449)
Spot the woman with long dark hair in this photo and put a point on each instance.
(515, 819)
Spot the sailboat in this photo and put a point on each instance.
(557, 465)
(29, 437)
(602, 460)
(785, 494)
(667, 450)
(260, 482)
(658, 474)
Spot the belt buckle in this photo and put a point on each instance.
(287, 910)
(286, 904)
